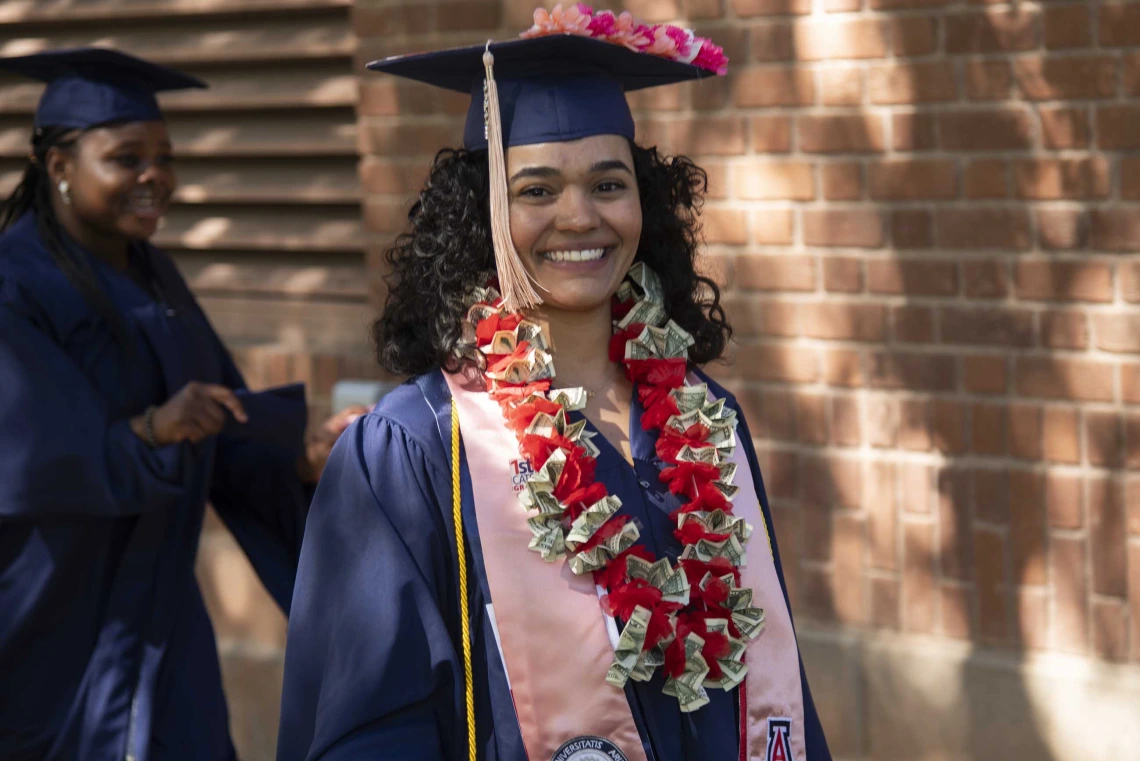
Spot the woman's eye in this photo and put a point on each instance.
(534, 192)
(165, 160)
(610, 186)
(128, 161)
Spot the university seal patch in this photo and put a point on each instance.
(588, 748)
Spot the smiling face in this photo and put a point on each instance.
(120, 179)
(575, 218)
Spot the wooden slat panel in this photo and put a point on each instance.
(297, 277)
(266, 223)
(245, 181)
(10, 172)
(249, 92)
(199, 42)
(15, 134)
(20, 12)
(282, 135)
(267, 228)
(334, 328)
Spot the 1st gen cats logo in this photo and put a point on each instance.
(521, 471)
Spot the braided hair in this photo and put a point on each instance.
(33, 194)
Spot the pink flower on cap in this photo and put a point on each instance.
(671, 42)
(711, 57)
(572, 20)
(663, 40)
(621, 30)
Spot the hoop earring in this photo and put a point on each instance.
(65, 192)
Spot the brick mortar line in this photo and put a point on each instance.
(866, 160)
(911, 396)
(1074, 534)
(877, 573)
(934, 107)
(901, 156)
(934, 253)
(1003, 529)
(1034, 255)
(924, 156)
(945, 462)
(887, 205)
(1125, 409)
(904, 393)
(1092, 353)
(1085, 473)
(894, 301)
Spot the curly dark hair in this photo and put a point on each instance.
(447, 252)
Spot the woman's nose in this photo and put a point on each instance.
(576, 212)
(151, 171)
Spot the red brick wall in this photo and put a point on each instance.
(924, 212)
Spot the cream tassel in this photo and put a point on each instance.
(514, 282)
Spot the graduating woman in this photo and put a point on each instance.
(120, 414)
(552, 543)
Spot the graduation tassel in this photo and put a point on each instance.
(461, 562)
(514, 282)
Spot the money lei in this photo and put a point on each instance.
(578, 520)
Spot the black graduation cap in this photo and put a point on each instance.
(87, 87)
(554, 88)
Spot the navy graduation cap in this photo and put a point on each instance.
(87, 87)
(555, 88)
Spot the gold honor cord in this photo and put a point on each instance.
(461, 557)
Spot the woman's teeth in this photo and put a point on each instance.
(587, 255)
(146, 202)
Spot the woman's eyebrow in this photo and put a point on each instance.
(609, 165)
(536, 171)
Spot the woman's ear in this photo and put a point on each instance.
(60, 164)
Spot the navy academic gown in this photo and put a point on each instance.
(106, 651)
(373, 663)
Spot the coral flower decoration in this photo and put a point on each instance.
(663, 40)
(572, 20)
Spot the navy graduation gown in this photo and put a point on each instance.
(373, 663)
(106, 651)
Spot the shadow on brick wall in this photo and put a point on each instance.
(910, 420)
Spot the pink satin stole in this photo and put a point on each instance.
(552, 631)
(773, 681)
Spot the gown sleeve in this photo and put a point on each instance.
(62, 453)
(258, 494)
(254, 487)
(814, 739)
(370, 668)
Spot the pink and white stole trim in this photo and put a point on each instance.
(541, 607)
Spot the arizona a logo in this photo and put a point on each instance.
(779, 740)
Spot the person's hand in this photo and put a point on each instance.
(321, 441)
(196, 412)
